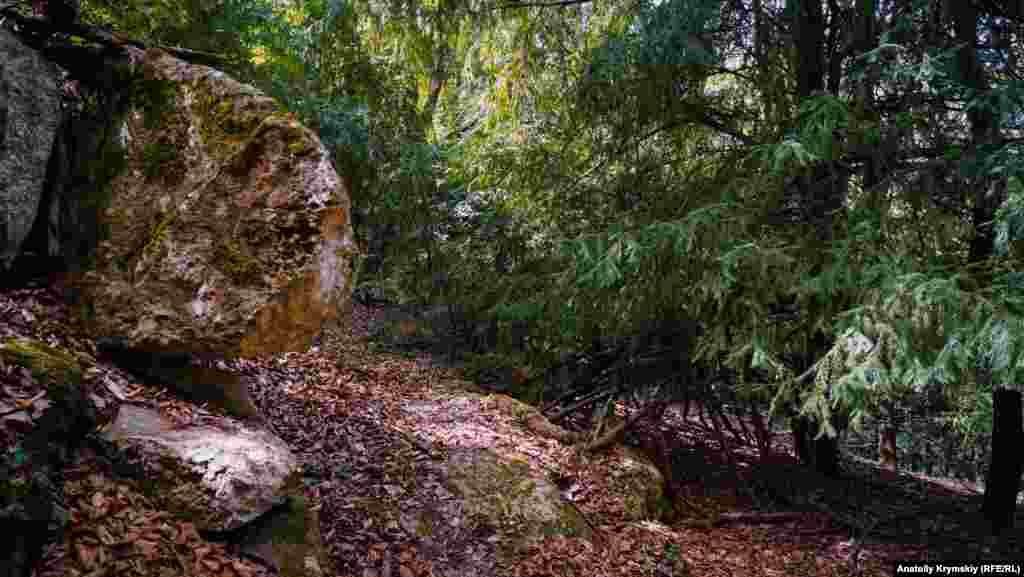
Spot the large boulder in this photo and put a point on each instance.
(29, 115)
(87, 154)
(499, 492)
(229, 479)
(229, 229)
(636, 483)
(223, 475)
(498, 475)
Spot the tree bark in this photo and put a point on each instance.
(1003, 480)
(988, 191)
(809, 43)
(888, 425)
(826, 456)
(820, 454)
(887, 447)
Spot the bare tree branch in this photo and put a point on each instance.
(555, 4)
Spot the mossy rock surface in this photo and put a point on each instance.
(289, 538)
(50, 366)
(642, 486)
(231, 233)
(508, 495)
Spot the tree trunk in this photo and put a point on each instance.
(820, 454)
(800, 427)
(888, 424)
(826, 456)
(809, 42)
(988, 191)
(762, 431)
(887, 447)
(1004, 470)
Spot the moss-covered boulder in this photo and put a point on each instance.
(505, 493)
(480, 509)
(639, 483)
(53, 423)
(636, 482)
(229, 230)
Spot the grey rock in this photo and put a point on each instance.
(223, 474)
(29, 116)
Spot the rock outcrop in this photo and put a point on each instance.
(229, 230)
(29, 116)
(86, 154)
(224, 475)
(59, 151)
(637, 481)
(227, 478)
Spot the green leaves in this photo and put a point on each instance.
(1009, 239)
(597, 262)
(823, 118)
(671, 33)
(784, 156)
(656, 144)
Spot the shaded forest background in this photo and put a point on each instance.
(680, 200)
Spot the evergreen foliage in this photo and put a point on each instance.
(783, 175)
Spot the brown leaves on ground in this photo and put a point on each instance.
(339, 406)
(115, 531)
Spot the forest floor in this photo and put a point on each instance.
(338, 407)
